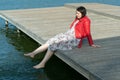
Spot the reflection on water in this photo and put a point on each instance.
(15, 66)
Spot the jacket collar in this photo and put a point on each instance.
(82, 19)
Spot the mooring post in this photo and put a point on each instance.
(6, 24)
(18, 31)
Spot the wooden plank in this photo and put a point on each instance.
(102, 9)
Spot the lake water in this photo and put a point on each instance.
(15, 66)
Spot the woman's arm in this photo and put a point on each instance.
(88, 32)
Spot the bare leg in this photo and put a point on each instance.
(38, 50)
(45, 59)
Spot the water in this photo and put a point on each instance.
(22, 4)
(13, 65)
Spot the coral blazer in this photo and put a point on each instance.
(82, 30)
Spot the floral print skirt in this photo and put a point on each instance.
(63, 41)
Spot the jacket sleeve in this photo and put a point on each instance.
(88, 32)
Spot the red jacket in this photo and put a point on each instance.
(82, 30)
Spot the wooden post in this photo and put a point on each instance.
(6, 24)
(18, 31)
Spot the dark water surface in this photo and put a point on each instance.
(15, 66)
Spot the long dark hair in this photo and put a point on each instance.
(82, 10)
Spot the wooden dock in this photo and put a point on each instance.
(94, 63)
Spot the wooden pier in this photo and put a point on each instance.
(94, 63)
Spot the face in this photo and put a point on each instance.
(78, 14)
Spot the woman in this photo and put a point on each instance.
(79, 29)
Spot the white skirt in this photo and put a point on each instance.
(63, 41)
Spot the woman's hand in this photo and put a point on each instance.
(95, 46)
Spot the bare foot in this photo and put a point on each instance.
(38, 66)
(30, 55)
